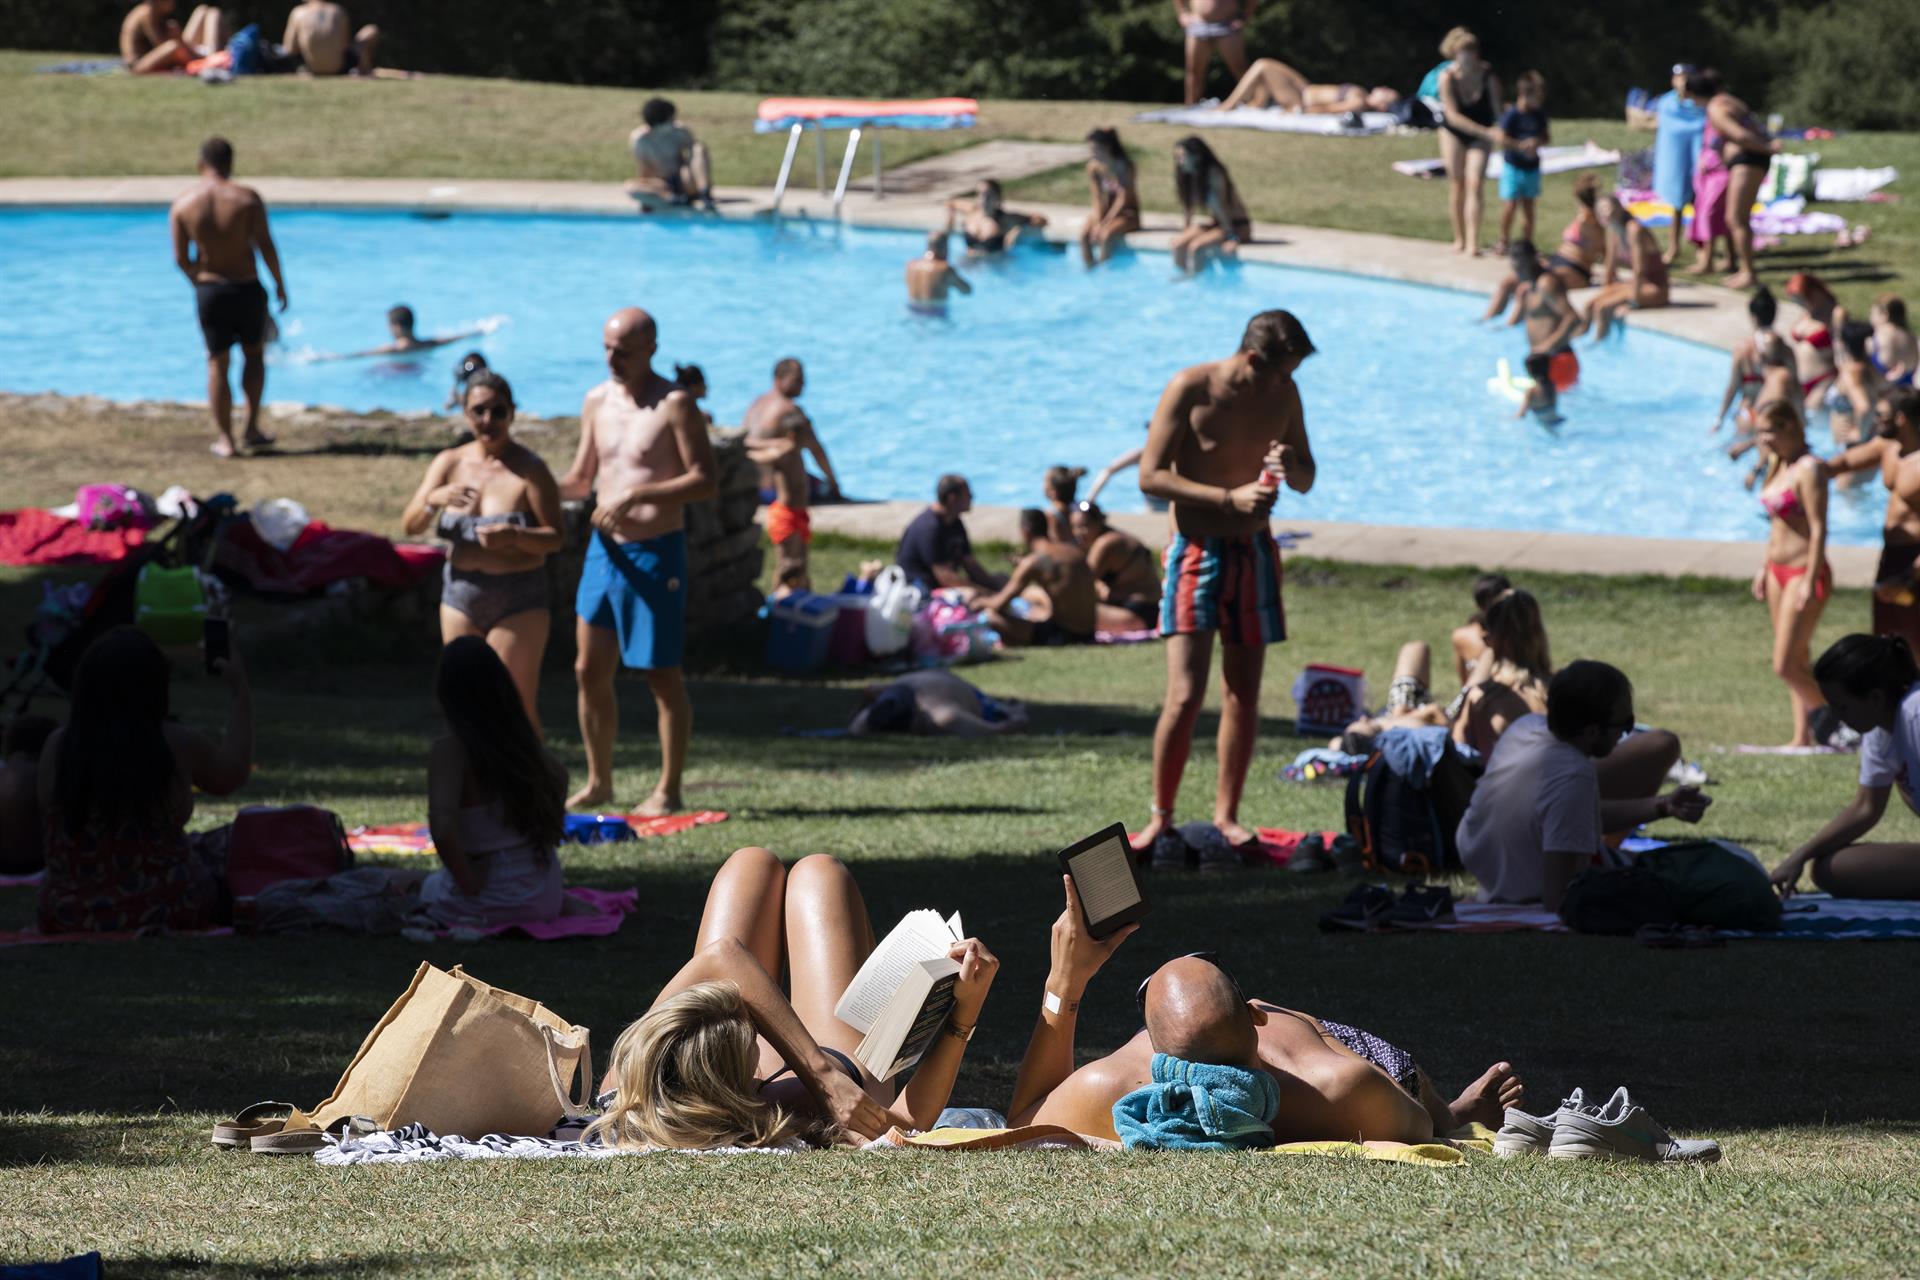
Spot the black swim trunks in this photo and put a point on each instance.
(1752, 159)
(231, 311)
(1143, 608)
(1049, 632)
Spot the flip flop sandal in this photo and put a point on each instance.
(252, 1122)
(289, 1142)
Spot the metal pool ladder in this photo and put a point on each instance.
(820, 165)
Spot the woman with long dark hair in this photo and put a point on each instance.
(498, 506)
(1794, 580)
(1510, 677)
(1215, 220)
(1871, 682)
(1116, 197)
(496, 801)
(118, 791)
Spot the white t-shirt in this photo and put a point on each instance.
(1539, 794)
(1891, 757)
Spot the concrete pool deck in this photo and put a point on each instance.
(1700, 313)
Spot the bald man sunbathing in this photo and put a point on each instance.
(1334, 1082)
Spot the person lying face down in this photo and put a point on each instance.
(1212, 1068)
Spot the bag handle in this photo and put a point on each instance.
(571, 1109)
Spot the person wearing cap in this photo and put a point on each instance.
(935, 701)
(1679, 122)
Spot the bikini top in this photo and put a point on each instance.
(463, 529)
(1783, 504)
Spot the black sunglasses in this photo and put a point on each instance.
(1211, 957)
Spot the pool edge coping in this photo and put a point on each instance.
(1369, 254)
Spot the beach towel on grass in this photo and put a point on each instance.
(412, 839)
(1268, 120)
(31, 536)
(1552, 160)
(1809, 917)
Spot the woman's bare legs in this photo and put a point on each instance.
(1793, 657)
(1205, 245)
(1453, 156)
(1502, 295)
(521, 642)
(1743, 184)
(1415, 661)
(1269, 82)
(829, 936)
(206, 29)
(1870, 871)
(1474, 162)
(745, 903)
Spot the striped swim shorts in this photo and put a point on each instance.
(1229, 585)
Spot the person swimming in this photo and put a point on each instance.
(930, 276)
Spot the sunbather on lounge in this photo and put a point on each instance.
(1410, 702)
(117, 788)
(723, 1057)
(1306, 1079)
(496, 800)
(1270, 82)
(1060, 596)
(935, 701)
(1872, 682)
(986, 224)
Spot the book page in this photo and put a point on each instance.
(1103, 876)
(919, 936)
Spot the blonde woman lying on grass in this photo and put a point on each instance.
(724, 1058)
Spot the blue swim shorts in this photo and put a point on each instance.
(638, 590)
(1519, 184)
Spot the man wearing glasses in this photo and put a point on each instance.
(1335, 1082)
(1556, 783)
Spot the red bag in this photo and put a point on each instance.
(298, 842)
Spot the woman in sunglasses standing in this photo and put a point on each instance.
(498, 506)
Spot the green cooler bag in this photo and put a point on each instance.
(169, 605)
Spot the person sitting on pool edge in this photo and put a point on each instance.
(1874, 686)
(1126, 575)
(1557, 784)
(935, 701)
(670, 166)
(935, 550)
(986, 225)
(1312, 1080)
(930, 276)
(1059, 570)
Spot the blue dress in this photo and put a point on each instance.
(1675, 147)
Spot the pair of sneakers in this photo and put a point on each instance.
(1619, 1130)
(1373, 906)
(1313, 854)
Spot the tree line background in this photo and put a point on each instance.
(1853, 65)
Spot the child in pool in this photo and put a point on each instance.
(1895, 352)
(1542, 400)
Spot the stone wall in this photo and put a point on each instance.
(724, 551)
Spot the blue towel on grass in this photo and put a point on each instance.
(1198, 1106)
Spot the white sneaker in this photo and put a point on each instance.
(1531, 1135)
(1622, 1130)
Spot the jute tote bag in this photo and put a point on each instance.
(462, 1057)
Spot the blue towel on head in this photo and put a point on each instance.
(1198, 1106)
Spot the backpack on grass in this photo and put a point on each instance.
(1699, 882)
(1407, 827)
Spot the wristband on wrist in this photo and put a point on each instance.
(1056, 1005)
(958, 1032)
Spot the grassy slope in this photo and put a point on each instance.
(132, 1052)
(484, 128)
(1794, 1056)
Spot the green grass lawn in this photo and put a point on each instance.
(115, 1059)
(454, 126)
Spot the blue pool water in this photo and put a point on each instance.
(1045, 363)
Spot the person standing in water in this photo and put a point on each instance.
(645, 454)
(1225, 437)
(217, 227)
(930, 276)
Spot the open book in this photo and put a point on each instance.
(901, 997)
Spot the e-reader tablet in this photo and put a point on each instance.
(1107, 880)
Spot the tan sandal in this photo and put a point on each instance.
(252, 1122)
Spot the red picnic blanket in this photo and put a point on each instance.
(33, 536)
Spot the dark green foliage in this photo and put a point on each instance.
(1816, 62)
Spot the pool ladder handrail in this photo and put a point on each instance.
(820, 165)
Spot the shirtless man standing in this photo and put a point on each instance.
(151, 40)
(782, 402)
(1337, 1083)
(1059, 570)
(1211, 24)
(670, 167)
(1225, 437)
(320, 32)
(645, 454)
(1894, 451)
(1124, 572)
(930, 276)
(216, 228)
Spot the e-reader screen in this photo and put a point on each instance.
(1105, 876)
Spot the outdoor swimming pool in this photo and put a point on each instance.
(1045, 363)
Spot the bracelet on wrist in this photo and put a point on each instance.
(958, 1032)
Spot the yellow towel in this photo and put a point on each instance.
(1472, 1137)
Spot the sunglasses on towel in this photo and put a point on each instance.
(1211, 957)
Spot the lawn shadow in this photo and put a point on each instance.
(27, 1141)
(187, 1264)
